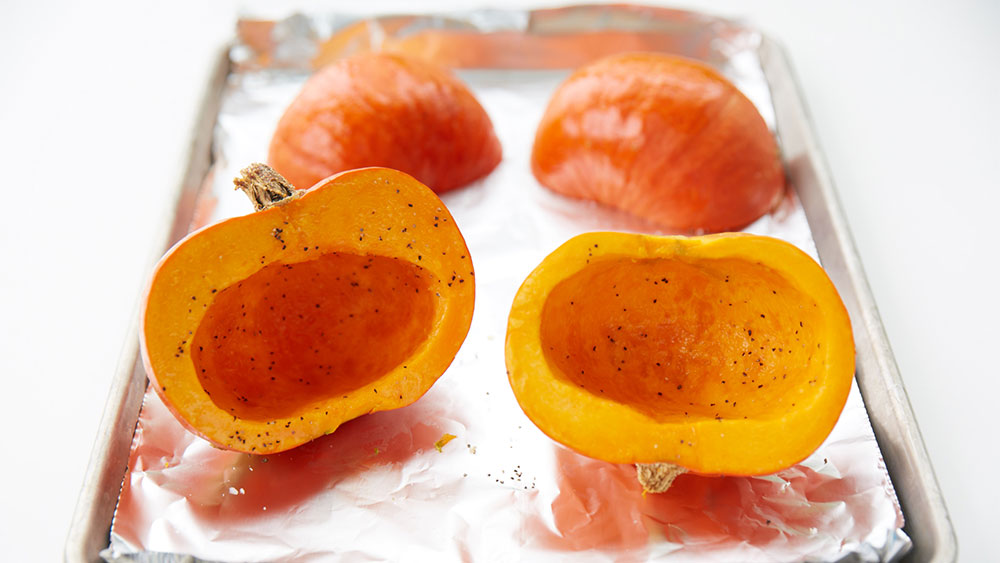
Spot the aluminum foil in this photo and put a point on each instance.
(383, 487)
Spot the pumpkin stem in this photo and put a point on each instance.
(264, 186)
(657, 477)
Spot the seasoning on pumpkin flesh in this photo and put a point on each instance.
(326, 304)
(727, 354)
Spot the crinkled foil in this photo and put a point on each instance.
(379, 489)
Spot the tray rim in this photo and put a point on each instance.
(878, 376)
(896, 429)
(90, 529)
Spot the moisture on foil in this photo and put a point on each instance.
(384, 487)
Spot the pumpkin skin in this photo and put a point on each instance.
(663, 138)
(265, 331)
(380, 109)
(724, 354)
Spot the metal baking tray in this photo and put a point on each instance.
(895, 428)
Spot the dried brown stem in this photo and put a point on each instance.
(264, 186)
(657, 477)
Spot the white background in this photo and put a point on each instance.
(96, 104)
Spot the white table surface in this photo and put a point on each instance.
(97, 100)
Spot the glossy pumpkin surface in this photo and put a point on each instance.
(265, 331)
(664, 138)
(379, 109)
(724, 354)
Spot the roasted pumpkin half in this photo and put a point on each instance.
(661, 137)
(380, 109)
(723, 354)
(265, 331)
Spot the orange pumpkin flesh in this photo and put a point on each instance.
(385, 110)
(377, 304)
(265, 331)
(662, 137)
(726, 354)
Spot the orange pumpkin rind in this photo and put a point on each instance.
(664, 138)
(389, 110)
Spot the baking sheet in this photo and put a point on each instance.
(378, 489)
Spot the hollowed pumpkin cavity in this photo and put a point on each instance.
(679, 340)
(265, 331)
(724, 354)
(292, 335)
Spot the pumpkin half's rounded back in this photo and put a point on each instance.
(661, 137)
(265, 331)
(725, 354)
(380, 109)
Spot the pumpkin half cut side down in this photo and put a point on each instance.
(382, 109)
(661, 137)
(726, 354)
(265, 331)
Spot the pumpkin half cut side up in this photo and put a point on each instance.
(263, 332)
(726, 354)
